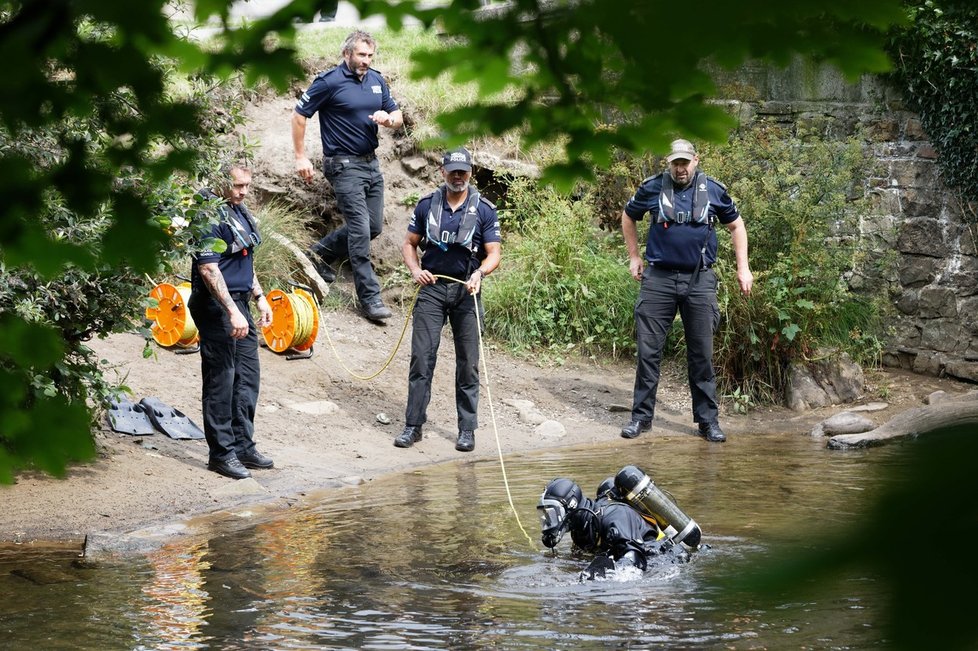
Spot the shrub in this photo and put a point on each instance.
(800, 198)
(562, 284)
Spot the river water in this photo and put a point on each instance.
(436, 559)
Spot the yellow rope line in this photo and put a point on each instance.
(189, 327)
(485, 368)
(303, 318)
(389, 359)
(495, 430)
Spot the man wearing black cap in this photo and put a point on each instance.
(458, 232)
(684, 205)
(352, 100)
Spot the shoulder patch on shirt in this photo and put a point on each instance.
(376, 89)
(487, 202)
(722, 186)
(652, 178)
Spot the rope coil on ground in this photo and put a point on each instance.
(171, 322)
(295, 321)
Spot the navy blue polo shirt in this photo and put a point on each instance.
(345, 104)
(455, 262)
(238, 267)
(677, 246)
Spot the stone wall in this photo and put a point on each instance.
(920, 241)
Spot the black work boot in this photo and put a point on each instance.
(711, 432)
(407, 438)
(230, 467)
(635, 428)
(466, 440)
(323, 268)
(376, 312)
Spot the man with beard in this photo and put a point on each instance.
(684, 205)
(458, 232)
(352, 99)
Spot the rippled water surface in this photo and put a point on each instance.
(437, 559)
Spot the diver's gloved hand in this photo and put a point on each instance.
(550, 538)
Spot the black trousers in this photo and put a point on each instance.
(359, 189)
(436, 304)
(230, 375)
(662, 294)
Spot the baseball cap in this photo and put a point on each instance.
(681, 149)
(457, 159)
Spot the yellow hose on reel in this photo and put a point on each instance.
(172, 324)
(295, 321)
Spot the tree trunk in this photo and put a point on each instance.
(961, 411)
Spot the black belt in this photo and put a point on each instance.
(241, 296)
(685, 270)
(346, 158)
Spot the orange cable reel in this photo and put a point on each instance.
(295, 321)
(171, 323)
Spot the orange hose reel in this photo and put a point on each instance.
(172, 324)
(295, 321)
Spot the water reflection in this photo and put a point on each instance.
(174, 606)
(436, 559)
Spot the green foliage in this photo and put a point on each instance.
(561, 285)
(564, 284)
(936, 68)
(580, 75)
(797, 198)
(99, 165)
(275, 265)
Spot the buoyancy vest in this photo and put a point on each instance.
(245, 232)
(700, 213)
(466, 227)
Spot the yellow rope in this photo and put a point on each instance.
(389, 359)
(495, 430)
(302, 311)
(189, 327)
(485, 368)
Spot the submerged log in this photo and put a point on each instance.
(960, 411)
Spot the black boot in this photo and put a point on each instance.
(466, 441)
(635, 428)
(711, 432)
(407, 438)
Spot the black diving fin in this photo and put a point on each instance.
(129, 418)
(172, 422)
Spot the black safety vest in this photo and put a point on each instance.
(700, 213)
(245, 234)
(466, 226)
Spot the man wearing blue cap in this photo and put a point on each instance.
(458, 232)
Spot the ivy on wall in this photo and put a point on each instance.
(936, 68)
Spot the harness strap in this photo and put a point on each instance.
(466, 227)
(700, 213)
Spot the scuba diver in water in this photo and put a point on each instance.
(629, 522)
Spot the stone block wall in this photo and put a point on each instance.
(920, 240)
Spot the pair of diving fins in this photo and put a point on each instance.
(148, 416)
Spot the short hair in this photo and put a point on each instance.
(239, 164)
(357, 36)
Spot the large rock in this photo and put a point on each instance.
(845, 422)
(834, 379)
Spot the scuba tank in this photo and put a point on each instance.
(638, 489)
